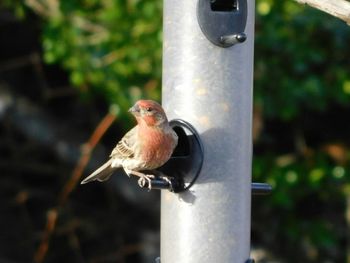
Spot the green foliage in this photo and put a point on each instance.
(300, 56)
(302, 85)
(113, 48)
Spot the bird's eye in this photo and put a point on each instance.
(149, 109)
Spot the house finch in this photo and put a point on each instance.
(145, 147)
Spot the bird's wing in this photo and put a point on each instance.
(101, 174)
(126, 146)
(124, 149)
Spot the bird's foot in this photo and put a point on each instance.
(146, 178)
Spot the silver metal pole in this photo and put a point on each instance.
(211, 88)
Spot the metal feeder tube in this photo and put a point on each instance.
(210, 87)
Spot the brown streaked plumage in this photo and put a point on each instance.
(147, 146)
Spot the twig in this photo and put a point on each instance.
(85, 156)
(46, 8)
(19, 62)
(71, 183)
(337, 8)
(44, 245)
(38, 7)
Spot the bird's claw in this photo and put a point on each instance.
(146, 178)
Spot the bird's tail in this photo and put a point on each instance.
(101, 174)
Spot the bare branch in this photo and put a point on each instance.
(337, 8)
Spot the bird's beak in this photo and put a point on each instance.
(135, 109)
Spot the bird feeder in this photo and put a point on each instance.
(207, 82)
(207, 93)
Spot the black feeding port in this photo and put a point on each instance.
(224, 5)
(184, 166)
(183, 147)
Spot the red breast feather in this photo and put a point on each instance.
(157, 146)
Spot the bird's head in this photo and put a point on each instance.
(148, 112)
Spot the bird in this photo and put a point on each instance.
(147, 146)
